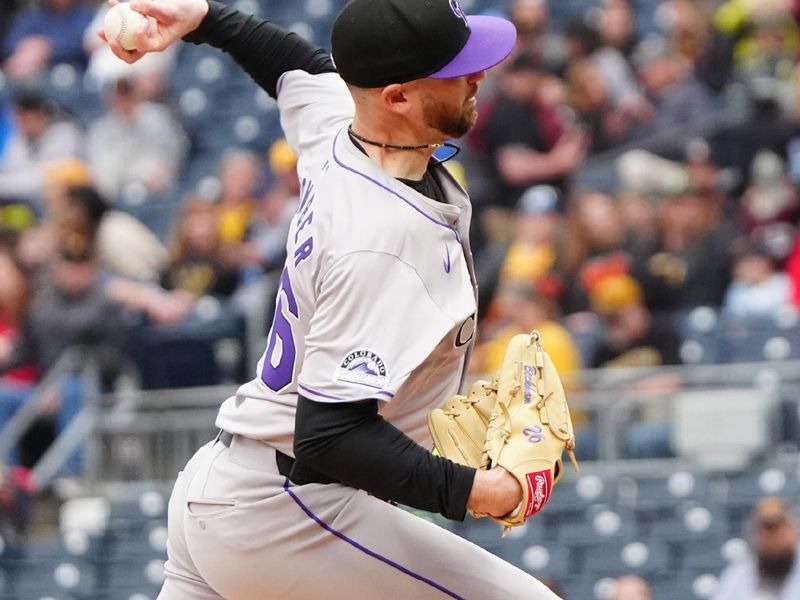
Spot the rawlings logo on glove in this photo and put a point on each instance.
(520, 421)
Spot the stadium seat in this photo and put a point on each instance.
(547, 560)
(602, 524)
(54, 576)
(745, 489)
(581, 588)
(681, 585)
(699, 331)
(574, 495)
(487, 532)
(633, 557)
(700, 553)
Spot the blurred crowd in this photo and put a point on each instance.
(631, 163)
(767, 567)
(623, 180)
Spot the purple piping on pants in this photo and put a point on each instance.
(364, 549)
(391, 191)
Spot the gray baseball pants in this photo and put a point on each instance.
(239, 530)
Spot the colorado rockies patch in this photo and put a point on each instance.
(363, 367)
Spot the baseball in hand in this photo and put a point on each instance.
(121, 23)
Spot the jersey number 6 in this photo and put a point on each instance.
(278, 369)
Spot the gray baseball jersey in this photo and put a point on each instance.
(377, 299)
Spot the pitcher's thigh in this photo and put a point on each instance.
(317, 542)
(422, 560)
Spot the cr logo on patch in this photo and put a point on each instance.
(363, 367)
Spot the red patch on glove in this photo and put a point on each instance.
(540, 485)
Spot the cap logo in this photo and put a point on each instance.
(457, 11)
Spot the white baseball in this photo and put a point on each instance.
(121, 23)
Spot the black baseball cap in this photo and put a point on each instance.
(378, 42)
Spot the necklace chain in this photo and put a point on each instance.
(392, 146)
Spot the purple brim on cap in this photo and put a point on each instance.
(491, 39)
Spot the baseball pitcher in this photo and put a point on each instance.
(373, 325)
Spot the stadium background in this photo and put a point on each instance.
(634, 173)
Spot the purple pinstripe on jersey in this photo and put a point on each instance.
(364, 549)
(305, 388)
(391, 191)
(320, 394)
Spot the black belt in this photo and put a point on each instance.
(298, 473)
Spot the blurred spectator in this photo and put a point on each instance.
(147, 74)
(617, 25)
(42, 135)
(527, 141)
(581, 38)
(770, 197)
(689, 263)
(747, 21)
(46, 35)
(772, 571)
(240, 174)
(69, 310)
(534, 34)
(529, 255)
(771, 68)
(15, 297)
(592, 241)
(651, 176)
(632, 338)
(687, 25)
(632, 587)
(197, 264)
(616, 28)
(758, 289)
(669, 82)
(585, 42)
(265, 247)
(793, 272)
(588, 94)
(639, 218)
(135, 145)
(124, 244)
(38, 244)
(521, 308)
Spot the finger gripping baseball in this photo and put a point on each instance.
(530, 425)
(122, 23)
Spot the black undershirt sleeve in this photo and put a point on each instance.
(264, 50)
(351, 443)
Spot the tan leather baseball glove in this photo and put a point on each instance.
(519, 421)
(530, 426)
(459, 428)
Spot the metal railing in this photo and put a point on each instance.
(134, 437)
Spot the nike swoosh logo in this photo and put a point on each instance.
(447, 260)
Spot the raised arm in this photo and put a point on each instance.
(264, 50)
